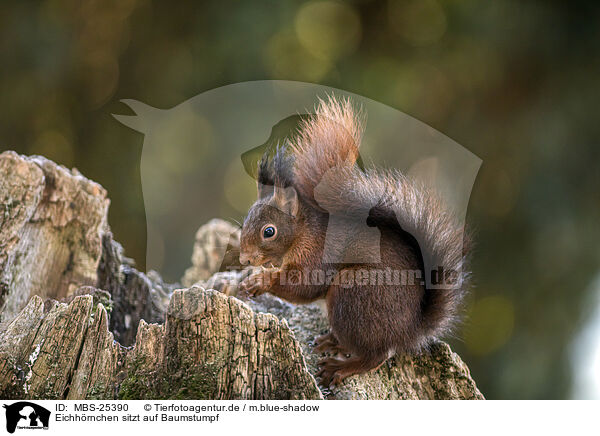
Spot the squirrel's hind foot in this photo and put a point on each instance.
(334, 370)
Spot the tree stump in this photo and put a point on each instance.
(51, 226)
(78, 321)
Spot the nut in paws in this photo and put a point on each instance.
(258, 282)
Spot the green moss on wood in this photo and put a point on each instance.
(197, 381)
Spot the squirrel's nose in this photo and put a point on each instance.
(244, 259)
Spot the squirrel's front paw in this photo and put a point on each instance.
(258, 282)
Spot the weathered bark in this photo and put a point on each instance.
(51, 224)
(216, 248)
(199, 343)
(210, 347)
(213, 346)
(39, 353)
(135, 295)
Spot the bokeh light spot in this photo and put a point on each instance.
(490, 324)
(54, 146)
(419, 22)
(328, 30)
(284, 56)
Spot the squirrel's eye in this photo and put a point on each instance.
(269, 231)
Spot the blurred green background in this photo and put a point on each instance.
(517, 83)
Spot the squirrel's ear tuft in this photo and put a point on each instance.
(286, 200)
(264, 191)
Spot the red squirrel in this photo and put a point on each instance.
(375, 308)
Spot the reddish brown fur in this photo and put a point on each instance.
(369, 322)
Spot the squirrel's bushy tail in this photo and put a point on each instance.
(329, 139)
(325, 153)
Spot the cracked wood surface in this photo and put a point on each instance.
(51, 223)
(210, 347)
